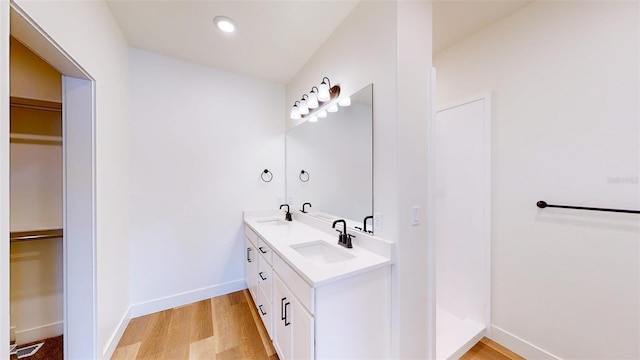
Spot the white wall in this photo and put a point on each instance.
(201, 138)
(564, 78)
(389, 44)
(87, 31)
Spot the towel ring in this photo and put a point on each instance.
(266, 175)
(304, 176)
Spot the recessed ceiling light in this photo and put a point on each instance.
(225, 24)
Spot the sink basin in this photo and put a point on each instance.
(322, 252)
(273, 222)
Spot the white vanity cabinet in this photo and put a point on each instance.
(293, 325)
(344, 317)
(250, 265)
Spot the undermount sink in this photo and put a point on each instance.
(273, 222)
(322, 252)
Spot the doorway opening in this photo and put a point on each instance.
(78, 186)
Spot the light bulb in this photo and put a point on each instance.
(322, 114)
(312, 102)
(323, 91)
(333, 108)
(304, 109)
(295, 113)
(313, 118)
(345, 101)
(225, 24)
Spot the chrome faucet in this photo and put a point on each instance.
(344, 239)
(287, 216)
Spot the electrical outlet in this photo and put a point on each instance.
(377, 221)
(415, 216)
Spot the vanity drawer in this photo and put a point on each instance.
(265, 274)
(298, 286)
(264, 310)
(253, 237)
(265, 251)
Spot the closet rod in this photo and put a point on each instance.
(36, 235)
(543, 204)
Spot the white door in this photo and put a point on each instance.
(462, 215)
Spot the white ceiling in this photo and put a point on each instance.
(454, 20)
(274, 39)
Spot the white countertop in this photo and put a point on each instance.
(280, 238)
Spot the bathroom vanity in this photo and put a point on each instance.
(317, 299)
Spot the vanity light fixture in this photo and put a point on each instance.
(324, 90)
(345, 101)
(295, 112)
(225, 24)
(312, 106)
(304, 108)
(312, 102)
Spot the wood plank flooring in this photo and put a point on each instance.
(490, 350)
(225, 327)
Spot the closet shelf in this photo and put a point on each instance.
(38, 138)
(36, 235)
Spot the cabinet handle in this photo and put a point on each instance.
(262, 311)
(282, 310)
(286, 321)
(262, 277)
(248, 254)
(262, 250)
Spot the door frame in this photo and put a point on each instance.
(431, 208)
(79, 192)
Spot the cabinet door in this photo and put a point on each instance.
(302, 335)
(281, 329)
(292, 324)
(251, 267)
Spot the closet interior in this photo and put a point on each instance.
(36, 172)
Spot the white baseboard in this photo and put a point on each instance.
(519, 346)
(107, 353)
(39, 333)
(169, 302)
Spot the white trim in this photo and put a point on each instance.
(188, 297)
(108, 351)
(431, 222)
(27, 31)
(518, 345)
(39, 332)
(4, 181)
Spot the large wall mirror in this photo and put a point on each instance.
(329, 163)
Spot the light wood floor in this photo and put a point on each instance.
(225, 327)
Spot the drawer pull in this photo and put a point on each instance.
(282, 310)
(262, 311)
(262, 277)
(262, 250)
(286, 320)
